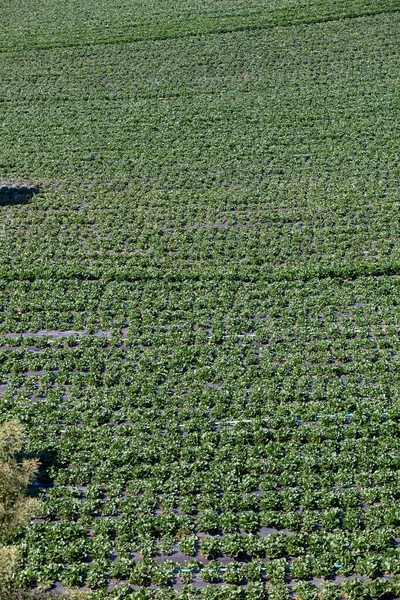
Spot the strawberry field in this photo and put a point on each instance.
(200, 294)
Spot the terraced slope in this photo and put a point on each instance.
(199, 288)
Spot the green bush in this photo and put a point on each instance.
(16, 508)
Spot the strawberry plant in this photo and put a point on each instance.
(210, 547)
(301, 568)
(189, 545)
(331, 591)
(306, 591)
(279, 592)
(233, 572)
(256, 591)
(212, 572)
(354, 588)
(276, 570)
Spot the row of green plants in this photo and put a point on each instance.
(353, 589)
(184, 20)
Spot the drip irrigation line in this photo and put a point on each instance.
(235, 569)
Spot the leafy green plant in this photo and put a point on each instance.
(324, 566)
(254, 570)
(234, 545)
(210, 547)
(369, 565)
(233, 573)
(279, 592)
(256, 591)
(305, 590)
(212, 572)
(165, 545)
(142, 573)
(301, 568)
(380, 588)
(189, 545)
(354, 589)
(331, 591)
(276, 570)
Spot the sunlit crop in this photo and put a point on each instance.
(199, 294)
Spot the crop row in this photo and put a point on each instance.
(123, 23)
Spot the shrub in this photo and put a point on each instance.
(16, 509)
(9, 563)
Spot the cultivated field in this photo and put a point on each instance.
(200, 294)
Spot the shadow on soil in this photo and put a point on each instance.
(13, 196)
(47, 462)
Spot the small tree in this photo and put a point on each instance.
(9, 563)
(16, 508)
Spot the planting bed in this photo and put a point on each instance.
(199, 294)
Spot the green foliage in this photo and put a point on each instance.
(276, 570)
(256, 591)
(210, 547)
(16, 508)
(279, 592)
(331, 591)
(354, 589)
(9, 564)
(199, 225)
(301, 568)
(306, 591)
(189, 545)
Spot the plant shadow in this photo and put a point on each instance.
(13, 196)
(48, 461)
